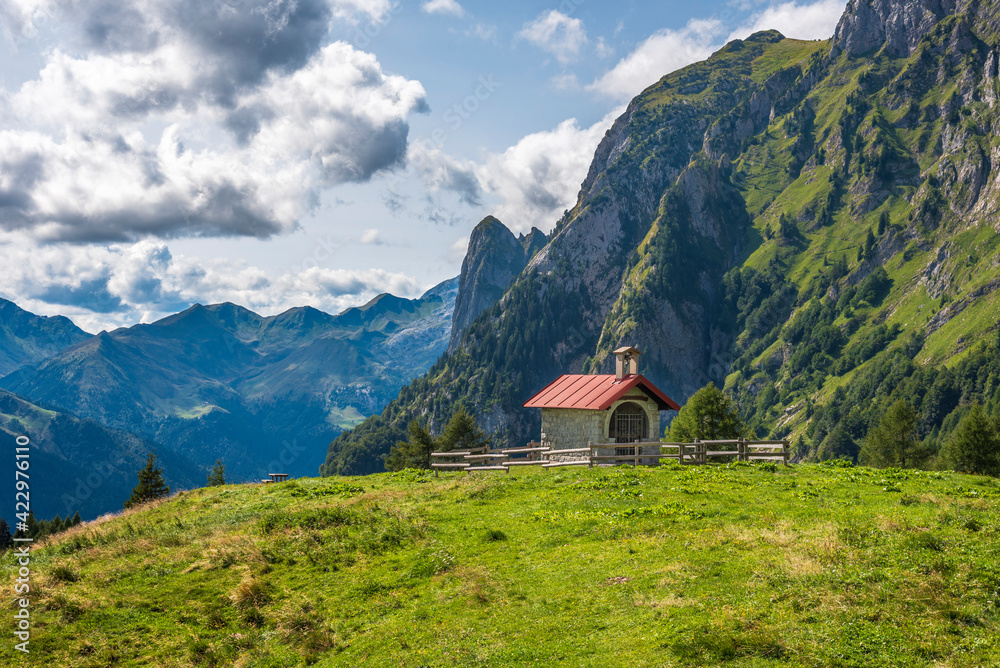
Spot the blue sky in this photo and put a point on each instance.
(277, 153)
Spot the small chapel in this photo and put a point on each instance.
(578, 409)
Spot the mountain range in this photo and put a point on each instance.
(810, 224)
(78, 465)
(216, 381)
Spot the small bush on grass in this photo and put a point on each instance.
(63, 573)
(251, 593)
(494, 535)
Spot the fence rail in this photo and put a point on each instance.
(637, 453)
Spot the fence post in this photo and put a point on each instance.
(590, 455)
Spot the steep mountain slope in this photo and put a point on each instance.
(494, 259)
(26, 338)
(78, 465)
(812, 224)
(262, 393)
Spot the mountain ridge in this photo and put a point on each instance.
(26, 338)
(219, 380)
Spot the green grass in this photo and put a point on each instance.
(783, 54)
(346, 418)
(733, 565)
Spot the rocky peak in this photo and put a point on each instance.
(494, 259)
(532, 243)
(898, 25)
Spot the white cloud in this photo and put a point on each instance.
(248, 136)
(19, 19)
(484, 31)
(603, 49)
(372, 237)
(540, 176)
(340, 111)
(351, 9)
(565, 82)
(661, 53)
(443, 7)
(457, 251)
(111, 286)
(532, 182)
(441, 171)
(560, 35)
(798, 21)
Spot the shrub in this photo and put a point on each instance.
(64, 574)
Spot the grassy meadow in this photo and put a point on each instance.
(736, 565)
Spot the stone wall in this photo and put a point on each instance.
(564, 428)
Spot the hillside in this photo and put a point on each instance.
(739, 565)
(812, 225)
(26, 338)
(79, 465)
(262, 393)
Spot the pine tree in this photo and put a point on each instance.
(462, 433)
(883, 222)
(6, 540)
(975, 445)
(869, 245)
(893, 442)
(785, 227)
(414, 453)
(217, 476)
(151, 485)
(76, 519)
(707, 415)
(33, 527)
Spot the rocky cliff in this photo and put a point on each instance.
(494, 259)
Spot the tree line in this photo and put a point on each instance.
(972, 447)
(35, 528)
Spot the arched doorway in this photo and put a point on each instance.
(628, 424)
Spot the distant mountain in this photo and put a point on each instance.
(811, 224)
(261, 393)
(77, 465)
(26, 338)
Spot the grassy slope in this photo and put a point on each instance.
(972, 260)
(734, 565)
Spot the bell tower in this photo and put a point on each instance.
(626, 362)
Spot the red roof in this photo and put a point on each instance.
(595, 392)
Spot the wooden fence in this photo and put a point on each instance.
(610, 454)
